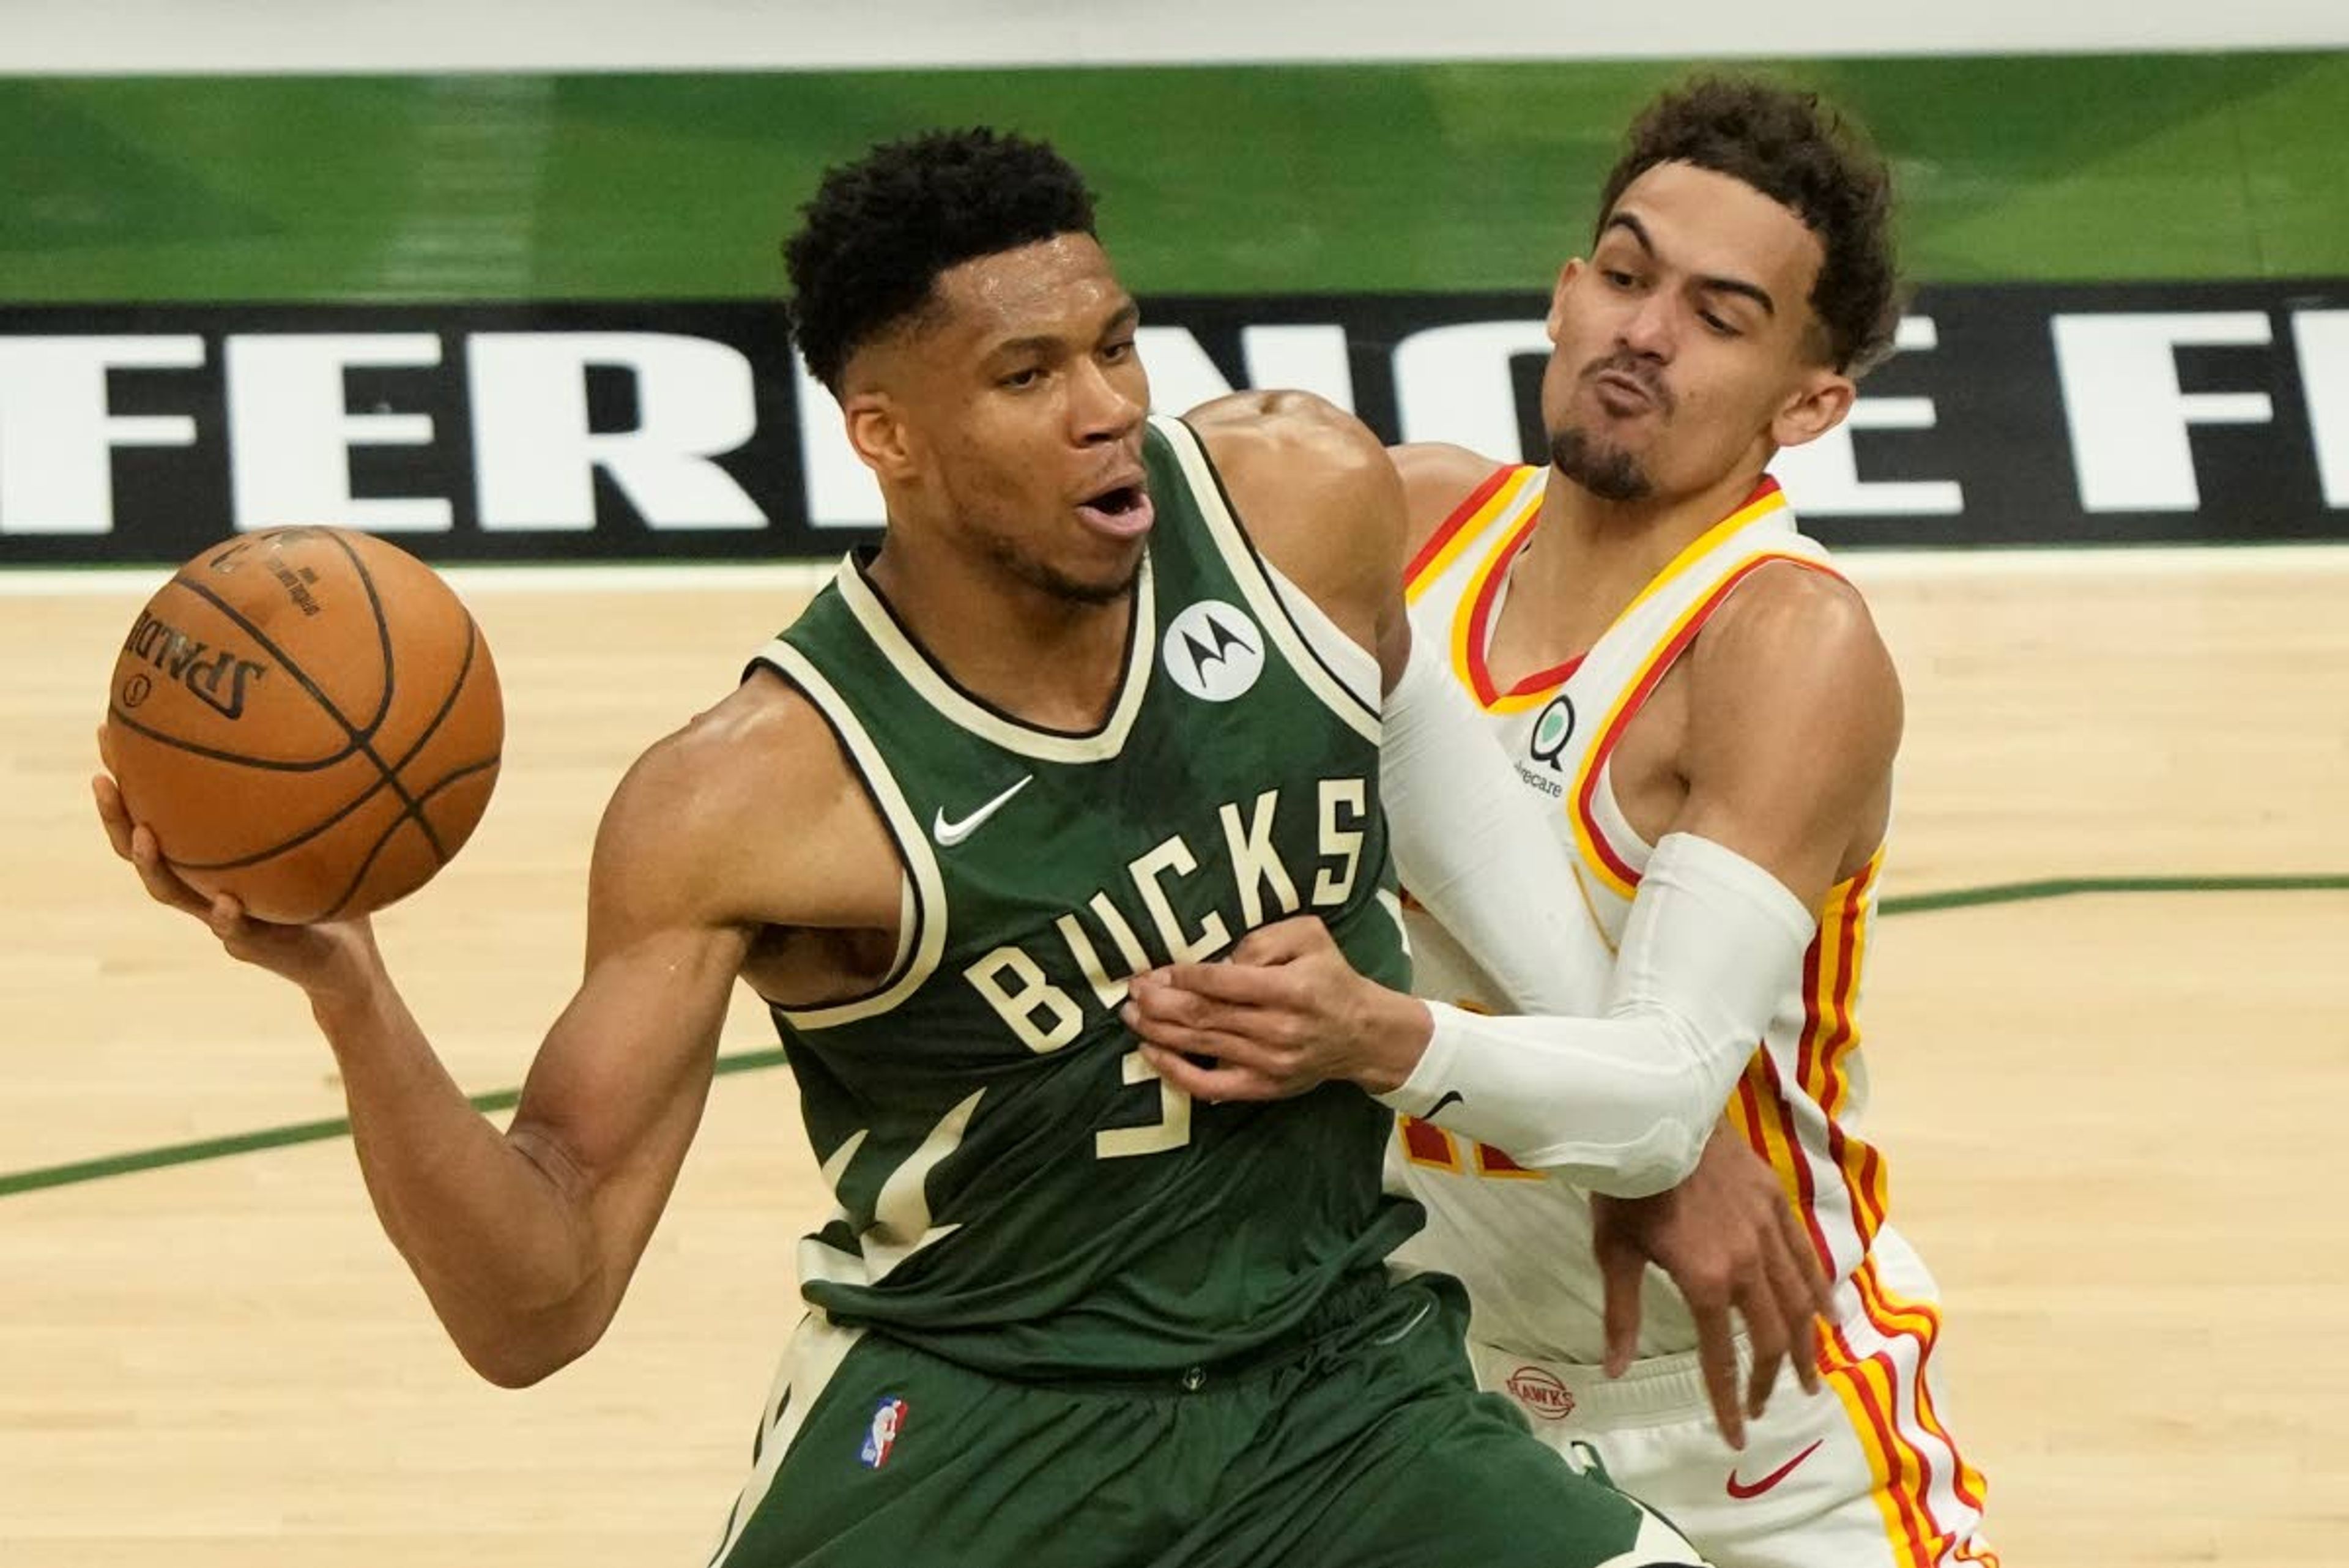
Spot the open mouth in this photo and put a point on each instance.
(1123, 511)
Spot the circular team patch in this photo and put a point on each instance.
(1541, 1393)
(1214, 651)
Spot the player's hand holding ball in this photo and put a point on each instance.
(302, 726)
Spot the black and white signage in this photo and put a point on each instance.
(2207, 413)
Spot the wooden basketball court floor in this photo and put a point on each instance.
(2110, 1084)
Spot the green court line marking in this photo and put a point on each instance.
(2070, 886)
(755, 1061)
(275, 1137)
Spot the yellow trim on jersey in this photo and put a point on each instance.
(1892, 1314)
(1704, 544)
(1464, 608)
(1895, 1471)
(1497, 505)
(1606, 938)
(1595, 757)
(1841, 1377)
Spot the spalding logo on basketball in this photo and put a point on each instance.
(1541, 1393)
(1214, 651)
(306, 718)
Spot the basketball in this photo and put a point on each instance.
(308, 719)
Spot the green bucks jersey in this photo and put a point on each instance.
(1017, 1191)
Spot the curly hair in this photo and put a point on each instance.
(1810, 159)
(878, 231)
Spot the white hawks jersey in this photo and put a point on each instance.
(1521, 1240)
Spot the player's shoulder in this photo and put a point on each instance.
(1312, 486)
(760, 760)
(1801, 630)
(1798, 601)
(1299, 443)
(763, 744)
(1437, 478)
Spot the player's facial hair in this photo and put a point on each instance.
(1050, 579)
(1609, 473)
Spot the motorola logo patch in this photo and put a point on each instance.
(1214, 651)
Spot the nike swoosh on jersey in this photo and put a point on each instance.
(1742, 1490)
(1392, 1335)
(1449, 1097)
(949, 834)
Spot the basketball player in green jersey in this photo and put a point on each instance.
(1110, 696)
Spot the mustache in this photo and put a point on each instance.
(1639, 369)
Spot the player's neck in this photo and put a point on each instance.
(1042, 658)
(1588, 557)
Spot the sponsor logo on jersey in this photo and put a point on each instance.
(1541, 1393)
(1214, 651)
(888, 1421)
(1552, 731)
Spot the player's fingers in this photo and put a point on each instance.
(1283, 941)
(1805, 1259)
(1239, 984)
(226, 915)
(162, 883)
(112, 814)
(1810, 1351)
(1716, 1355)
(1765, 1327)
(1179, 1021)
(1211, 1086)
(1818, 1297)
(1798, 1307)
(246, 939)
(1621, 1270)
(1227, 1050)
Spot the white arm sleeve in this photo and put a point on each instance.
(1474, 847)
(1623, 1104)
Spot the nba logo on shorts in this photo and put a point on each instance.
(888, 1420)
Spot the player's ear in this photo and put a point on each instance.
(878, 432)
(1817, 404)
(1555, 322)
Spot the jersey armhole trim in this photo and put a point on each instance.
(922, 889)
(1259, 584)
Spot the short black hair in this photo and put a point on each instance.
(1809, 158)
(878, 231)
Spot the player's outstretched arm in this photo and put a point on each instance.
(525, 1241)
(1796, 714)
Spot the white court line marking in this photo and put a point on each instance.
(1865, 566)
(733, 577)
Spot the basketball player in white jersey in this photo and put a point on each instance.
(1709, 711)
